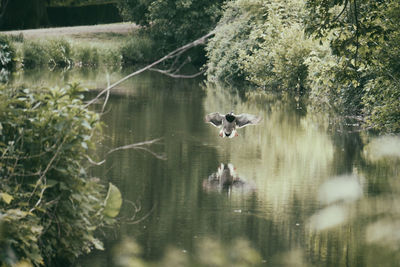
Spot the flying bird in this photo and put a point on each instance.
(230, 122)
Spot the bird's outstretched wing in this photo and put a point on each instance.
(214, 118)
(246, 119)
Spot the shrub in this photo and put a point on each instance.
(110, 57)
(333, 83)
(139, 50)
(34, 54)
(7, 53)
(86, 55)
(381, 104)
(173, 23)
(59, 51)
(49, 206)
(263, 43)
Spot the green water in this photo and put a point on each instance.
(310, 193)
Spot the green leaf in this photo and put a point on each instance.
(113, 201)
(6, 197)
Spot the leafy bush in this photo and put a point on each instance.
(59, 51)
(231, 39)
(359, 75)
(333, 83)
(173, 23)
(86, 55)
(381, 104)
(49, 206)
(7, 53)
(138, 50)
(110, 57)
(262, 42)
(350, 68)
(34, 54)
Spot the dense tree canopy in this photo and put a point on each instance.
(364, 38)
(344, 54)
(173, 23)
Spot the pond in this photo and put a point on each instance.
(308, 193)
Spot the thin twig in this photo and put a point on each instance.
(340, 14)
(159, 156)
(357, 33)
(94, 162)
(133, 146)
(179, 75)
(138, 146)
(42, 178)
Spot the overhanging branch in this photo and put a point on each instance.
(173, 54)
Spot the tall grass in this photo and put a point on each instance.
(34, 54)
(63, 53)
(139, 49)
(90, 50)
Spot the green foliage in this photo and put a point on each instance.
(7, 53)
(50, 207)
(343, 54)
(334, 85)
(86, 55)
(364, 36)
(277, 60)
(139, 49)
(52, 53)
(262, 42)
(59, 51)
(135, 10)
(231, 40)
(34, 54)
(113, 201)
(173, 23)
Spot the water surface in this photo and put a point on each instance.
(310, 193)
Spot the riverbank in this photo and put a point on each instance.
(78, 32)
(115, 44)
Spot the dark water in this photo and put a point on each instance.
(306, 193)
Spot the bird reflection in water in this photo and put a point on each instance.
(226, 179)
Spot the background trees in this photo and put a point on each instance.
(31, 14)
(363, 36)
(20, 14)
(343, 54)
(173, 23)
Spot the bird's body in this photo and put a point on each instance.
(230, 122)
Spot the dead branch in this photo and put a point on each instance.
(143, 218)
(133, 146)
(138, 146)
(179, 75)
(173, 54)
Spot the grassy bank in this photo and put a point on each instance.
(110, 45)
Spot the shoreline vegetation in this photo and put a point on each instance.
(112, 45)
(330, 68)
(341, 59)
